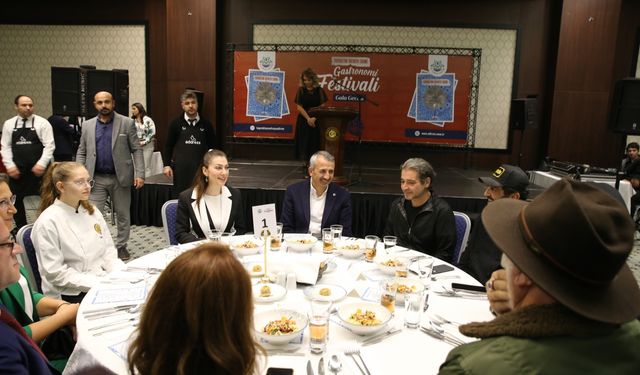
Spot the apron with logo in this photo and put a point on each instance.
(27, 150)
(190, 148)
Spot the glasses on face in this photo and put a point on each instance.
(11, 244)
(82, 183)
(5, 203)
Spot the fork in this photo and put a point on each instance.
(442, 336)
(354, 351)
(442, 320)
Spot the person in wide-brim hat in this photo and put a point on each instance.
(574, 300)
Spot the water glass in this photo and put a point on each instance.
(319, 325)
(413, 308)
(389, 241)
(370, 243)
(402, 267)
(214, 234)
(336, 229)
(425, 267)
(327, 240)
(388, 289)
(276, 238)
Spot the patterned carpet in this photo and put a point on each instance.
(146, 239)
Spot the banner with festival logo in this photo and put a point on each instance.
(415, 98)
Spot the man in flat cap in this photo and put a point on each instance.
(574, 301)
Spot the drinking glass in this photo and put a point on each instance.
(425, 267)
(370, 243)
(276, 238)
(327, 240)
(336, 229)
(413, 308)
(388, 290)
(214, 234)
(319, 325)
(389, 241)
(402, 267)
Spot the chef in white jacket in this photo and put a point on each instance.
(73, 244)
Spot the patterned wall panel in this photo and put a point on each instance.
(29, 52)
(496, 72)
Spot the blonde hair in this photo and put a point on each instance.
(58, 171)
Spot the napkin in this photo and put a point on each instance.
(305, 266)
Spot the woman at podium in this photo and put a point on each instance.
(309, 95)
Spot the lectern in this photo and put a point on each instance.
(333, 124)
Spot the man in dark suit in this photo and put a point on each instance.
(317, 202)
(105, 149)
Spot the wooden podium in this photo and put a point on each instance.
(333, 124)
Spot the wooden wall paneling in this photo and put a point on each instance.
(156, 14)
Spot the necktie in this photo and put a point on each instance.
(24, 123)
(6, 317)
(192, 121)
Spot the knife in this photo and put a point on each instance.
(379, 338)
(426, 302)
(309, 369)
(321, 366)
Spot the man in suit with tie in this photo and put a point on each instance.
(317, 202)
(106, 145)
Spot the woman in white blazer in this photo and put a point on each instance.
(210, 204)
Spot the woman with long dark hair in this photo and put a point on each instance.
(210, 204)
(309, 95)
(74, 246)
(146, 129)
(198, 318)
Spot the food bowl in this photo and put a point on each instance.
(388, 264)
(261, 319)
(406, 286)
(246, 246)
(347, 313)
(352, 249)
(300, 242)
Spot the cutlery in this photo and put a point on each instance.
(378, 338)
(117, 328)
(440, 336)
(354, 351)
(104, 314)
(309, 369)
(443, 277)
(107, 309)
(335, 365)
(117, 322)
(321, 366)
(442, 320)
(426, 302)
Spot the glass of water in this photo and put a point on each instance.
(389, 241)
(214, 234)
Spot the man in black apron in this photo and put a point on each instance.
(188, 139)
(27, 148)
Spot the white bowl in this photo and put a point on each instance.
(382, 314)
(277, 293)
(300, 242)
(390, 270)
(247, 246)
(261, 319)
(351, 248)
(413, 286)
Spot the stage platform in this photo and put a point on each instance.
(262, 181)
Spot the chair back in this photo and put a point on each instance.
(169, 211)
(463, 227)
(28, 257)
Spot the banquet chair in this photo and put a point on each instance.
(169, 211)
(28, 256)
(463, 227)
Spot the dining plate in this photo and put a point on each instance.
(255, 269)
(277, 293)
(325, 292)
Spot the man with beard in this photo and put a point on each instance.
(27, 149)
(188, 138)
(420, 219)
(106, 145)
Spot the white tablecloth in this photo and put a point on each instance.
(546, 179)
(409, 352)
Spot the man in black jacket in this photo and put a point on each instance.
(421, 220)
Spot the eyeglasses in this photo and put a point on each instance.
(81, 183)
(11, 244)
(4, 204)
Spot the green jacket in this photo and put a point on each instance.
(13, 298)
(546, 339)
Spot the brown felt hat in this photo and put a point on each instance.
(572, 241)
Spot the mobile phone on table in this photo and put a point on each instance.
(279, 371)
(440, 268)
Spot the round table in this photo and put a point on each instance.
(409, 352)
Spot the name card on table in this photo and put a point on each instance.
(264, 216)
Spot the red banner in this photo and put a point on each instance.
(400, 94)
